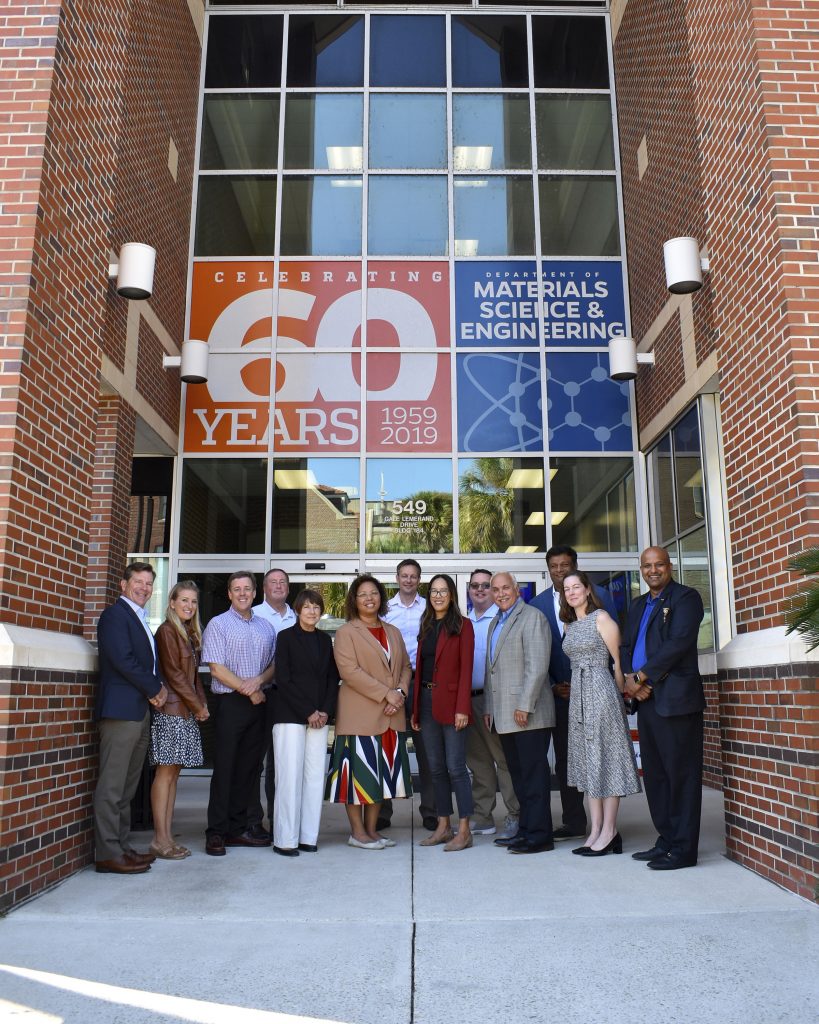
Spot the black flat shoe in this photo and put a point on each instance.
(671, 862)
(581, 850)
(614, 846)
(285, 851)
(651, 854)
(308, 848)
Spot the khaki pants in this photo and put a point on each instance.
(483, 753)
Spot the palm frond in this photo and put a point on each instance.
(803, 617)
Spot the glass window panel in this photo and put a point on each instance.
(324, 131)
(315, 506)
(235, 216)
(223, 505)
(500, 406)
(325, 49)
(489, 51)
(593, 503)
(321, 216)
(491, 133)
(688, 472)
(570, 51)
(239, 132)
(663, 490)
(407, 131)
(407, 216)
(409, 506)
(407, 50)
(494, 217)
(588, 411)
(574, 132)
(696, 573)
(501, 505)
(244, 51)
(149, 522)
(578, 216)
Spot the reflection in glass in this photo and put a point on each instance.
(574, 132)
(149, 522)
(407, 50)
(315, 506)
(494, 217)
(593, 503)
(244, 51)
(499, 402)
(321, 216)
(324, 131)
(239, 132)
(662, 490)
(409, 506)
(235, 216)
(407, 216)
(325, 49)
(578, 216)
(695, 572)
(688, 471)
(570, 52)
(223, 505)
(501, 505)
(491, 132)
(489, 51)
(407, 131)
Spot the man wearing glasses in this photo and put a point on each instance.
(484, 753)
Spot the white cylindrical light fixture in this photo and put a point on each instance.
(194, 366)
(683, 269)
(622, 358)
(135, 273)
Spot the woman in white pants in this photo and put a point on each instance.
(306, 684)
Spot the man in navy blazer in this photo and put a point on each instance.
(128, 683)
(659, 659)
(560, 561)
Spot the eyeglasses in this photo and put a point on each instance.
(439, 593)
(479, 586)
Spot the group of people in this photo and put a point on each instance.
(481, 694)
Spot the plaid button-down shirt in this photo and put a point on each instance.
(245, 646)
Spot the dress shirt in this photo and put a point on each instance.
(639, 657)
(142, 615)
(245, 646)
(481, 627)
(561, 625)
(501, 617)
(276, 620)
(408, 621)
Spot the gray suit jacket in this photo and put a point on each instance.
(517, 677)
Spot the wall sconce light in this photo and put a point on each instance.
(683, 265)
(624, 357)
(193, 363)
(135, 271)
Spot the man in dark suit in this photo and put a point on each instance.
(560, 561)
(128, 684)
(659, 659)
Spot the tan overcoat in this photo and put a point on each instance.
(366, 676)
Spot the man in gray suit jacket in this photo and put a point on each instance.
(518, 703)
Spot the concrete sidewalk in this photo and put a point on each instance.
(413, 935)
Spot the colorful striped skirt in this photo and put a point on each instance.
(369, 769)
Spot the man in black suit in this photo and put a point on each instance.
(128, 684)
(659, 659)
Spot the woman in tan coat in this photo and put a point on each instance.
(369, 762)
(175, 739)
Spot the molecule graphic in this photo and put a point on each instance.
(503, 409)
(586, 413)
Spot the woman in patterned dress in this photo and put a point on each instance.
(601, 759)
(175, 739)
(369, 762)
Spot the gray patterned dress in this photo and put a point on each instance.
(601, 756)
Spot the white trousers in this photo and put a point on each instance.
(301, 764)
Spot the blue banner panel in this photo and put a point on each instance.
(500, 406)
(587, 410)
(583, 302)
(496, 304)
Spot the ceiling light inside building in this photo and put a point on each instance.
(521, 549)
(536, 519)
(558, 517)
(466, 246)
(472, 158)
(525, 479)
(345, 158)
(294, 479)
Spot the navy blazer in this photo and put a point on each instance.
(560, 671)
(671, 648)
(126, 658)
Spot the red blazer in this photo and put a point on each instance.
(452, 692)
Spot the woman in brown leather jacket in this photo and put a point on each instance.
(175, 739)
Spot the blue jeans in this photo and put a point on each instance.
(446, 753)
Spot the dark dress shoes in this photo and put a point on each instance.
(139, 858)
(564, 832)
(121, 866)
(247, 839)
(529, 847)
(652, 854)
(671, 862)
(286, 851)
(503, 841)
(258, 832)
(215, 846)
(430, 823)
(308, 848)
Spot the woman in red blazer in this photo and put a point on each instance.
(442, 707)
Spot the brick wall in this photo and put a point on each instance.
(712, 738)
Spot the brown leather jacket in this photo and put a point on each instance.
(177, 667)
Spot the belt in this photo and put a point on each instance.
(428, 686)
(477, 693)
